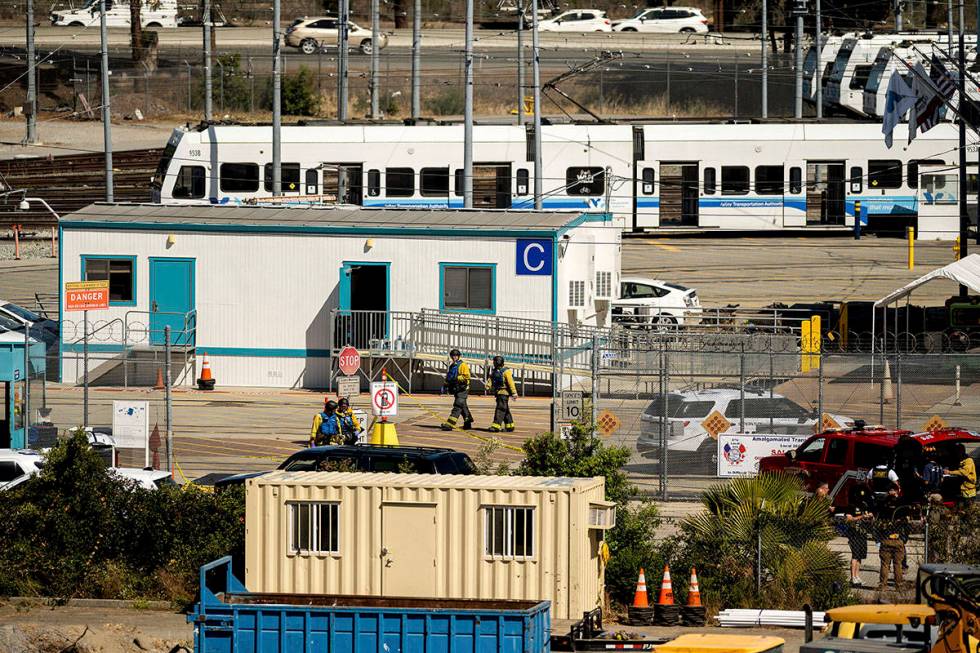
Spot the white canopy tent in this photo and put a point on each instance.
(965, 272)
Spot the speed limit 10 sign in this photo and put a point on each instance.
(571, 405)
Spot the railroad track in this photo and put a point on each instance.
(71, 182)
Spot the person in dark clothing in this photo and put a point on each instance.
(458, 383)
(855, 520)
(892, 529)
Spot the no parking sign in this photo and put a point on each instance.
(384, 398)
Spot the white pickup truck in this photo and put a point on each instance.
(154, 13)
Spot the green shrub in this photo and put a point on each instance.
(448, 102)
(299, 94)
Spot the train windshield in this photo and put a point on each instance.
(165, 159)
(810, 63)
(840, 63)
(877, 73)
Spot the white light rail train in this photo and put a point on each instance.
(742, 177)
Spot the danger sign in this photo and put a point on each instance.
(86, 295)
(384, 398)
(349, 360)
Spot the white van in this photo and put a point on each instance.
(154, 13)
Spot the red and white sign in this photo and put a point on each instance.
(384, 398)
(86, 295)
(349, 360)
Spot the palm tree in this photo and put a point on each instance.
(762, 542)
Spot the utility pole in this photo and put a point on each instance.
(818, 73)
(106, 114)
(342, 54)
(468, 110)
(536, 81)
(32, 77)
(949, 23)
(964, 211)
(417, 60)
(276, 102)
(765, 60)
(520, 61)
(898, 15)
(206, 29)
(799, 8)
(375, 57)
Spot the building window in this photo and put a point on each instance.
(734, 180)
(585, 181)
(239, 177)
(795, 180)
(648, 181)
(190, 183)
(603, 284)
(602, 515)
(769, 180)
(119, 272)
(884, 173)
(315, 527)
(576, 294)
(374, 183)
(508, 532)
(399, 182)
(710, 181)
(434, 182)
(288, 177)
(468, 287)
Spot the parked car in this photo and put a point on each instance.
(153, 13)
(18, 465)
(649, 302)
(842, 458)
(368, 458)
(41, 328)
(691, 446)
(311, 34)
(665, 20)
(577, 20)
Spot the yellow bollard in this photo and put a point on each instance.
(956, 249)
(911, 235)
(816, 342)
(805, 346)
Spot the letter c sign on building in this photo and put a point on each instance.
(534, 257)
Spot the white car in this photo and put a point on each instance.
(312, 34)
(577, 20)
(153, 13)
(665, 20)
(18, 465)
(649, 302)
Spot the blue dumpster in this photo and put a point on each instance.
(230, 619)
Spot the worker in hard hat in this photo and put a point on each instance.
(503, 388)
(458, 383)
(326, 425)
(350, 427)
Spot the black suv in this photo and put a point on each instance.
(368, 458)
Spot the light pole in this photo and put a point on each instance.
(25, 205)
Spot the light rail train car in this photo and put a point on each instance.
(740, 177)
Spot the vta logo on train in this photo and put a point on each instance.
(534, 257)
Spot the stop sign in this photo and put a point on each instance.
(349, 360)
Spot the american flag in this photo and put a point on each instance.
(945, 86)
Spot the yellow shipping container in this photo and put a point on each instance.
(425, 535)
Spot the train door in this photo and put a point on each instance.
(345, 181)
(825, 193)
(938, 199)
(679, 194)
(491, 185)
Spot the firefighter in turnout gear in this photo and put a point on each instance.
(326, 426)
(458, 383)
(503, 388)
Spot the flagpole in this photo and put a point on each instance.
(964, 211)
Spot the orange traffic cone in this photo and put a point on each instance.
(640, 599)
(694, 593)
(666, 591)
(159, 385)
(206, 382)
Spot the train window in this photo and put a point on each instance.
(710, 181)
(190, 183)
(912, 178)
(648, 179)
(399, 182)
(585, 181)
(857, 179)
(860, 78)
(523, 181)
(795, 180)
(288, 177)
(373, 183)
(884, 173)
(769, 180)
(734, 180)
(458, 183)
(239, 177)
(434, 181)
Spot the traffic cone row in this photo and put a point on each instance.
(665, 612)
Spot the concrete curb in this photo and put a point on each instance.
(48, 601)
